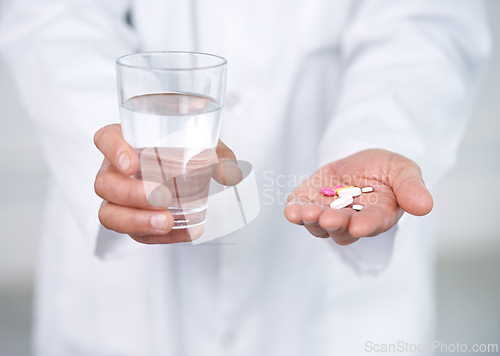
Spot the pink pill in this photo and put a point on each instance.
(328, 192)
(338, 186)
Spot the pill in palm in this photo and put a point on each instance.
(349, 192)
(328, 192)
(341, 202)
(367, 189)
(337, 190)
(357, 207)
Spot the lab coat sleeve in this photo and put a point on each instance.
(411, 72)
(61, 56)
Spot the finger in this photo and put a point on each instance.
(224, 152)
(336, 222)
(310, 216)
(372, 220)
(311, 213)
(119, 189)
(174, 236)
(410, 190)
(109, 140)
(293, 210)
(316, 231)
(302, 211)
(135, 221)
(226, 171)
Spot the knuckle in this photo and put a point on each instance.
(114, 151)
(137, 224)
(134, 222)
(99, 185)
(132, 196)
(102, 214)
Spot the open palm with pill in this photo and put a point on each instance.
(397, 188)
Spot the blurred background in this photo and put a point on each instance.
(467, 224)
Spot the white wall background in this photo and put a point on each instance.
(468, 224)
(23, 175)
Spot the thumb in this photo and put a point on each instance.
(409, 188)
(226, 170)
(109, 140)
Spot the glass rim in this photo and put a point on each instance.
(119, 61)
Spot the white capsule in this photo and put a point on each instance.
(357, 207)
(367, 189)
(349, 192)
(341, 202)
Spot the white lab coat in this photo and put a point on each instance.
(309, 82)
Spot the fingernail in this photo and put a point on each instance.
(124, 161)
(159, 221)
(156, 198)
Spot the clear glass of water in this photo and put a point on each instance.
(171, 113)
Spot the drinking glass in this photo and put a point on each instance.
(171, 113)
